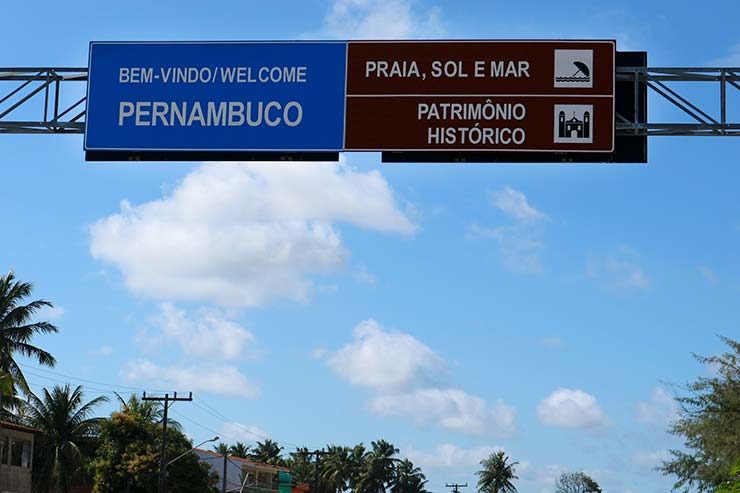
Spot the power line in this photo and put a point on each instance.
(125, 387)
(215, 413)
(87, 387)
(210, 430)
(456, 487)
(204, 406)
(163, 457)
(208, 408)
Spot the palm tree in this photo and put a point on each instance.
(67, 428)
(239, 450)
(222, 448)
(497, 474)
(298, 463)
(148, 411)
(17, 330)
(379, 465)
(6, 391)
(338, 468)
(358, 455)
(6, 383)
(268, 452)
(408, 479)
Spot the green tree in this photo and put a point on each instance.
(268, 452)
(357, 469)
(300, 466)
(378, 468)
(733, 484)
(576, 482)
(338, 468)
(709, 422)
(497, 474)
(127, 459)
(68, 430)
(6, 383)
(7, 395)
(17, 329)
(358, 456)
(239, 450)
(408, 478)
(151, 411)
(221, 448)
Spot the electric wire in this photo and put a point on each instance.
(203, 406)
(215, 413)
(126, 387)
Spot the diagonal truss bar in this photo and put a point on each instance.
(714, 82)
(39, 91)
(32, 100)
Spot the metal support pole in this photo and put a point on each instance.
(456, 487)
(162, 485)
(723, 101)
(317, 453)
(163, 454)
(223, 479)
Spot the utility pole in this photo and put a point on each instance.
(163, 456)
(318, 453)
(223, 479)
(456, 487)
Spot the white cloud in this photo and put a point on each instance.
(552, 342)
(319, 353)
(450, 456)
(649, 459)
(660, 410)
(709, 275)
(520, 244)
(619, 272)
(571, 408)
(452, 409)
(205, 336)
(52, 313)
(212, 378)
(243, 433)
(244, 234)
(407, 379)
(381, 19)
(731, 59)
(365, 277)
(514, 204)
(103, 350)
(385, 360)
(519, 251)
(544, 476)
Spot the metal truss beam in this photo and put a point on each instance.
(699, 121)
(38, 91)
(32, 100)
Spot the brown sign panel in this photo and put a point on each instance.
(548, 96)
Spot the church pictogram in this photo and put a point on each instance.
(574, 128)
(573, 124)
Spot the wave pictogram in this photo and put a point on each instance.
(572, 79)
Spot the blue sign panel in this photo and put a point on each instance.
(230, 96)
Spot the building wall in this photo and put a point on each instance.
(216, 463)
(16, 455)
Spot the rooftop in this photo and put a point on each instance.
(202, 452)
(16, 427)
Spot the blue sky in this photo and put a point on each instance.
(452, 310)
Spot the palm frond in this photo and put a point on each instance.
(22, 313)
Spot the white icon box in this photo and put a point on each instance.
(574, 124)
(574, 68)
